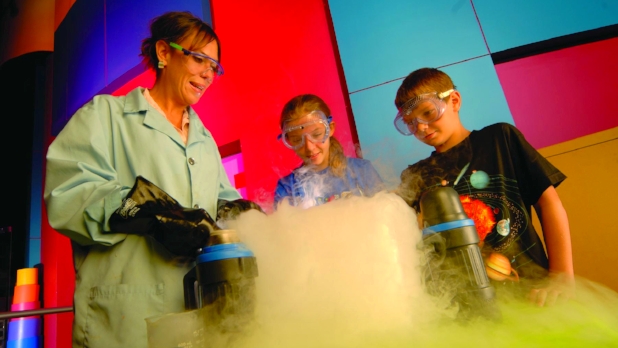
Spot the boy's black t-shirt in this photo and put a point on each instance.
(498, 176)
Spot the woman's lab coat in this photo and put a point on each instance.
(122, 279)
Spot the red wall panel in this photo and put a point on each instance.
(551, 106)
(272, 51)
(59, 284)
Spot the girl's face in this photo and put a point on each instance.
(314, 150)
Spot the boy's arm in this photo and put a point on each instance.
(556, 232)
(557, 235)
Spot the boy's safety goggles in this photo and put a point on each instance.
(315, 126)
(424, 108)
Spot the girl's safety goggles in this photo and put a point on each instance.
(315, 127)
(424, 108)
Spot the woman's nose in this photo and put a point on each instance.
(208, 74)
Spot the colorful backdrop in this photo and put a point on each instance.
(546, 67)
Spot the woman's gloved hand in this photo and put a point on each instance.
(148, 210)
(229, 210)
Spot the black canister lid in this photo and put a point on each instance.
(441, 204)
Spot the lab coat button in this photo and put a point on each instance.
(191, 161)
(196, 206)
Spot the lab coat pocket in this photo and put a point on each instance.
(117, 313)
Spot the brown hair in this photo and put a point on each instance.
(175, 27)
(424, 80)
(300, 106)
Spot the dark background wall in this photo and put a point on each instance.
(22, 94)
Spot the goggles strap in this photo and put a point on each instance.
(445, 94)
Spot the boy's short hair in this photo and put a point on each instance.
(424, 80)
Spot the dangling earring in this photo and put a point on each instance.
(161, 65)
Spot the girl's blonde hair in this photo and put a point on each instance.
(300, 106)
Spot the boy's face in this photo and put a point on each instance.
(443, 133)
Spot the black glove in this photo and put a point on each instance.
(148, 210)
(228, 210)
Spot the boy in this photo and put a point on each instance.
(498, 176)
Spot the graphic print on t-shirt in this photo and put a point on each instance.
(492, 202)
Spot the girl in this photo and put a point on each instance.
(326, 173)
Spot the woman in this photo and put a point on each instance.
(111, 176)
(326, 173)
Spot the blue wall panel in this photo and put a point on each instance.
(62, 51)
(79, 60)
(97, 46)
(87, 52)
(124, 35)
(483, 103)
(381, 41)
(509, 24)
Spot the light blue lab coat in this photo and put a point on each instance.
(121, 279)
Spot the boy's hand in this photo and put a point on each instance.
(559, 288)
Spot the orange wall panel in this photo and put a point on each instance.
(61, 9)
(31, 29)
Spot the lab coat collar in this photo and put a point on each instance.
(197, 131)
(136, 103)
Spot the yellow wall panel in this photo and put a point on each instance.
(590, 197)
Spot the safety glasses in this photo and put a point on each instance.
(199, 63)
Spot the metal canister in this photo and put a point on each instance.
(223, 279)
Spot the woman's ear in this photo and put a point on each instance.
(163, 51)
